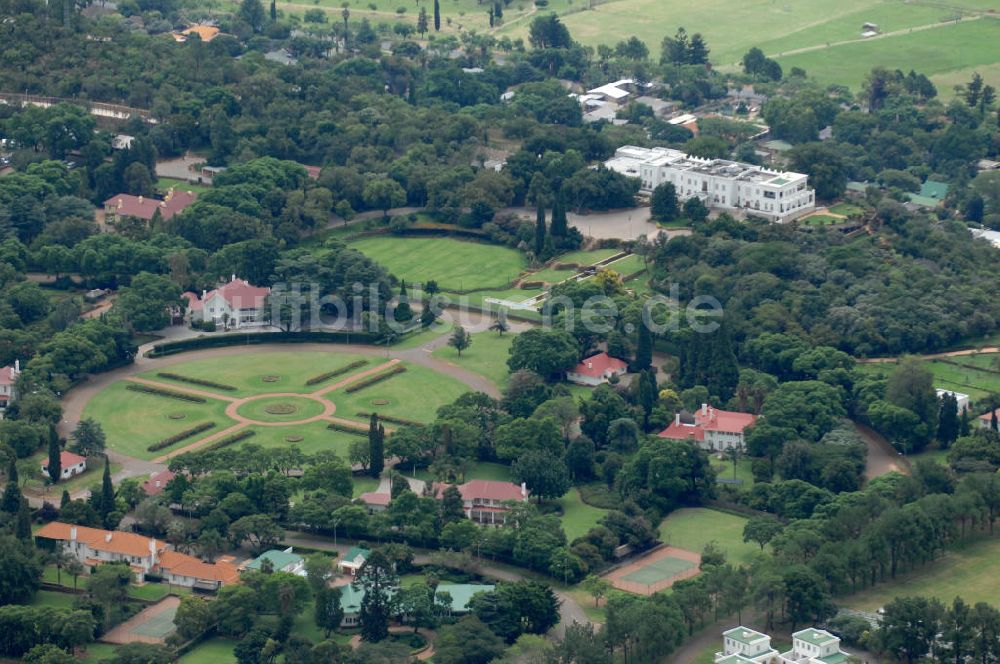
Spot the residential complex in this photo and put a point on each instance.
(235, 304)
(485, 501)
(742, 645)
(141, 207)
(596, 369)
(713, 429)
(144, 555)
(719, 183)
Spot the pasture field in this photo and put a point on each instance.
(975, 375)
(693, 528)
(453, 264)
(971, 572)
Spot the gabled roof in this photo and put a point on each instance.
(141, 207)
(597, 366)
(485, 490)
(240, 294)
(353, 553)
(182, 564)
(462, 593)
(8, 375)
(113, 541)
(708, 418)
(375, 498)
(66, 459)
(279, 559)
(157, 482)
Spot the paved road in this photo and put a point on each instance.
(570, 610)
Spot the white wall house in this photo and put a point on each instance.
(712, 429)
(742, 645)
(236, 304)
(8, 385)
(962, 399)
(596, 370)
(728, 185)
(69, 465)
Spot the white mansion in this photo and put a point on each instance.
(775, 195)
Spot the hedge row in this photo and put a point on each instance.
(377, 378)
(228, 440)
(337, 426)
(962, 365)
(196, 381)
(531, 285)
(394, 420)
(159, 391)
(336, 372)
(253, 338)
(178, 437)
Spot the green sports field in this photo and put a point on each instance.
(693, 528)
(454, 264)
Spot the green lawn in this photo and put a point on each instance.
(316, 437)
(97, 652)
(363, 484)
(134, 420)
(287, 371)
(421, 337)
(52, 598)
(487, 356)
(974, 375)
(972, 573)
(280, 409)
(820, 220)
(724, 470)
(551, 275)
(693, 528)
(454, 264)
(629, 265)
(578, 517)
(587, 257)
(181, 185)
(414, 395)
(213, 651)
(846, 209)
(481, 471)
(148, 591)
(968, 44)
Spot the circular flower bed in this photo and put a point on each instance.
(294, 439)
(280, 409)
(177, 416)
(270, 379)
(380, 402)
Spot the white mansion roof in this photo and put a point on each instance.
(629, 158)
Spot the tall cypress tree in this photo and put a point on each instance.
(65, 499)
(55, 461)
(22, 529)
(274, 11)
(376, 447)
(437, 15)
(948, 424)
(12, 497)
(107, 492)
(964, 425)
(558, 226)
(644, 348)
(993, 420)
(539, 231)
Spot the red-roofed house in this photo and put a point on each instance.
(713, 429)
(69, 463)
(157, 482)
(596, 369)
(375, 501)
(484, 500)
(140, 207)
(236, 304)
(8, 385)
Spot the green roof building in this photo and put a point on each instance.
(353, 560)
(280, 561)
(461, 594)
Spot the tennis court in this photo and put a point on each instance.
(151, 625)
(655, 571)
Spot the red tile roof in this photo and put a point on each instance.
(157, 482)
(7, 375)
(66, 459)
(126, 205)
(708, 418)
(114, 541)
(375, 498)
(597, 366)
(485, 490)
(988, 416)
(191, 567)
(240, 294)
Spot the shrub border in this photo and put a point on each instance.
(343, 428)
(178, 437)
(315, 380)
(394, 420)
(377, 378)
(228, 440)
(170, 394)
(195, 381)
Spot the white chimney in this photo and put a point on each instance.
(203, 293)
(524, 490)
(590, 365)
(72, 534)
(17, 366)
(140, 200)
(233, 277)
(152, 548)
(704, 409)
(677, 419)
(107, 537)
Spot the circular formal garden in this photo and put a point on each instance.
(281, 409)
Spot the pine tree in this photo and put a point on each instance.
(539, 231)
(12, 497)
(403, 312)
(55, 461)
(107, 505)
(644, 348)
(274, 12)
(422, 21)
(22, 528)
(498, 9)
(376, 448)
(647, 395)
(558, 226)
(490, 13)
(437, 15)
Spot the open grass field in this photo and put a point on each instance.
(587, 257)
(693, 528)
(213, 651)
(629, 265)
(974, 375)
(53, 598)
(454, 264)
(286, 371)
(972, 573)
(724, 471)
(133, 420)
(578, 517)
(783, 29)
(487, 356)
(182, 185)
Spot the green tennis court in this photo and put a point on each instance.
(157, 626)
(659, 570)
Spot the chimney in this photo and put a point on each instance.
(203, 293)
(704, 409)
(72, 534)
(107, 537)
(677, 419)
(17, 366)
(140, 200)
(524, 490)
(590, 365)
(233, 277)
(152, 548)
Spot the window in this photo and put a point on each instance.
(768, 194)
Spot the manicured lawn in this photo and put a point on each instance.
(53, 598)
(181, 185)
(974, 375)
(629, 265)
(97, 652)
(935, 455)
(148, 591)
(578, 517)
(287, 371)
(972, 573)
(724, 471)
(280, 409)
(487, 356)
(419, 338)
(316, 437)
(454, 264)
(846, 209)
(551, 275)
(363, 484)
(511, 295)
(481, 471)
(415, 395)
(693, 528)
(213, 651)
(134, 420)
(820, 220)
(588, 257)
